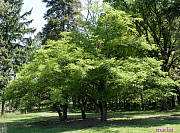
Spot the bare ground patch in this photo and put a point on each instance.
(159, 116)
(74, 122)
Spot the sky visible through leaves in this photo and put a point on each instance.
(39, 8)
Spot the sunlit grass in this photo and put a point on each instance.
(118, 122)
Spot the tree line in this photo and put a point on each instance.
(121, 55)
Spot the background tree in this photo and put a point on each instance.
(62, 15)
(160, 26)
(14, 45)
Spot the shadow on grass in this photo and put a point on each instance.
(51, 124)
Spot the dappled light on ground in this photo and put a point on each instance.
(140, 122)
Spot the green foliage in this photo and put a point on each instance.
(100, 64)
(160, 26)
(49, 79)
(118, 35)
(15, 48)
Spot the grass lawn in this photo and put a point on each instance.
(119, 122)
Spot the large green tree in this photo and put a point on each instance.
(160, 25)
(98, 67)
(14, 46)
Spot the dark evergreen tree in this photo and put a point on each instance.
(61, 16)
(14, 46)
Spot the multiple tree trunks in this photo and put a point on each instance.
(61, 113)
(101, 105)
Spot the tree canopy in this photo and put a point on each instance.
(15, 48)
(104, 62)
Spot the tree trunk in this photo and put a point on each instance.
(26, 110)
(58, 111)
(117, 104)
(124, 104)
(39, 107)
(83, 108)
(3, 107)
(65, 106)
(154, 105)
(173, 105)
(163, 105)
(96, 106)
(59, 114)
(103, 110)
(128, 105)
(110, 106)
(178, 98)
(142, 102)
(83, 114)
(74, 103)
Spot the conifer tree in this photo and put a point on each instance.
(61, 16)
(14, 46)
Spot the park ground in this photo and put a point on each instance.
(118, 122)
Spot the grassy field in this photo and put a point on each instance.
(119, 122)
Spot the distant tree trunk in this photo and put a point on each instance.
(120, 103)
(124, 104)
(154, 105)
(83, 108)
(103, 110)
(26, 110)
(96, 106)
(65, 107)
(117, 104)
(163, 105)
(10, 108)
(178, 98)
(74, 103)
(127, 105)
(173, 104)
(142, 102)
(110, 105)
(3, 107)
(39, 107)
(135, 106)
